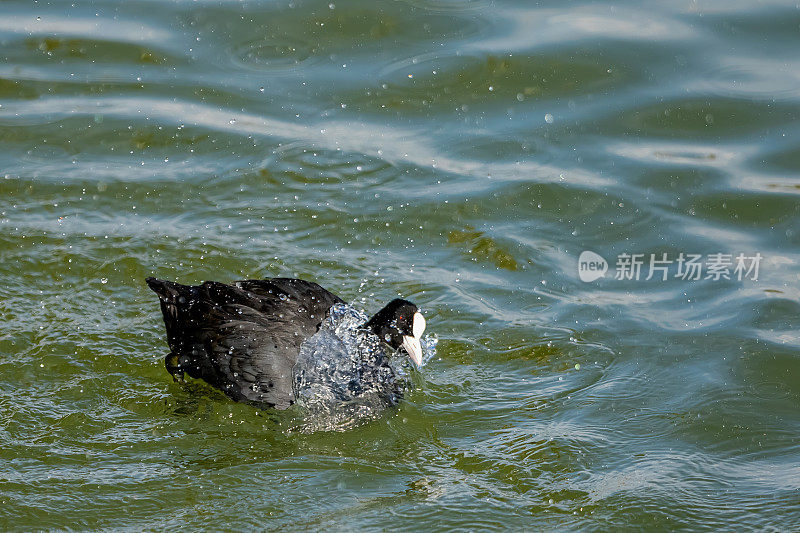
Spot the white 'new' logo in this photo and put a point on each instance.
(591, 266)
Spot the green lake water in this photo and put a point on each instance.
(460, 154)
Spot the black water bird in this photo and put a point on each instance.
(245, 339)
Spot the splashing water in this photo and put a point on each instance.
(428, 343)
(343, 374)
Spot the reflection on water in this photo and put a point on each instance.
(458, 154)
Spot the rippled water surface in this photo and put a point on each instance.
(460, 154)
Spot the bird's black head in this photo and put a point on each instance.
(400, 325)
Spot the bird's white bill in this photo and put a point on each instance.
(413, 348)
(418, 327)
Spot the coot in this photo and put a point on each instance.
(260, 341)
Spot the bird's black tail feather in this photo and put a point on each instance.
(169, 291)
(176, 299)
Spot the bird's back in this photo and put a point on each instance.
(242, 338)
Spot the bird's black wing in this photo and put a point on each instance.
(312, 297)
(241, 338)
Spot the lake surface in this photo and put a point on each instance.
(461, 154)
